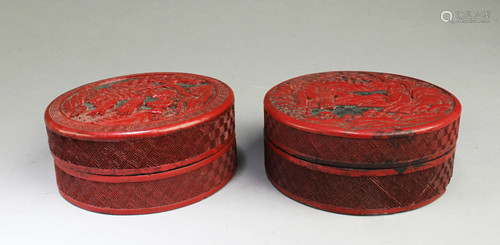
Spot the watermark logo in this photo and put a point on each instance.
(465, 16)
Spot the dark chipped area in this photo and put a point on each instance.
(89, 106)
(370, 92)
(342, 110)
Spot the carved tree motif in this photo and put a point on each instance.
(359, 100)
(137, 100)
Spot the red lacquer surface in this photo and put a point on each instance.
(142, 143)
(355, 191)
(150, 193)
(142, 123)
(361, 119)
(360, 142)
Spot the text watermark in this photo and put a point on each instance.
(465, 16)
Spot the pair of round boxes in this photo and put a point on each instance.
(346, 142)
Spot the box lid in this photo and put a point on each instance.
(361, 119)
(137, 106)
(141, 123)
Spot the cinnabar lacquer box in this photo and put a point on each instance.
(143, 143)
(360, 142)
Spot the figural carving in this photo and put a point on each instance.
(138, 102)
(361, 100)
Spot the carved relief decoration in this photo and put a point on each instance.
(138, 102)
(361, 100)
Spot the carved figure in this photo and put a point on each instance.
(360, 100)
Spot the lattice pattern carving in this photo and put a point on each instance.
(146, 152)
(360, 153)
(149, 194)
(363, 192)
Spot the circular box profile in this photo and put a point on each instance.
(352, 126)
(127, 135)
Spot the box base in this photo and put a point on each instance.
(146, 210)
(352, 211)
(142, 194)
(355, 191)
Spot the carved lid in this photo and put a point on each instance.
(136, 106)
(361, 104)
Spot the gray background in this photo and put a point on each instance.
(50, 47)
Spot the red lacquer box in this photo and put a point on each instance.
(142, 143)
(360, 142)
